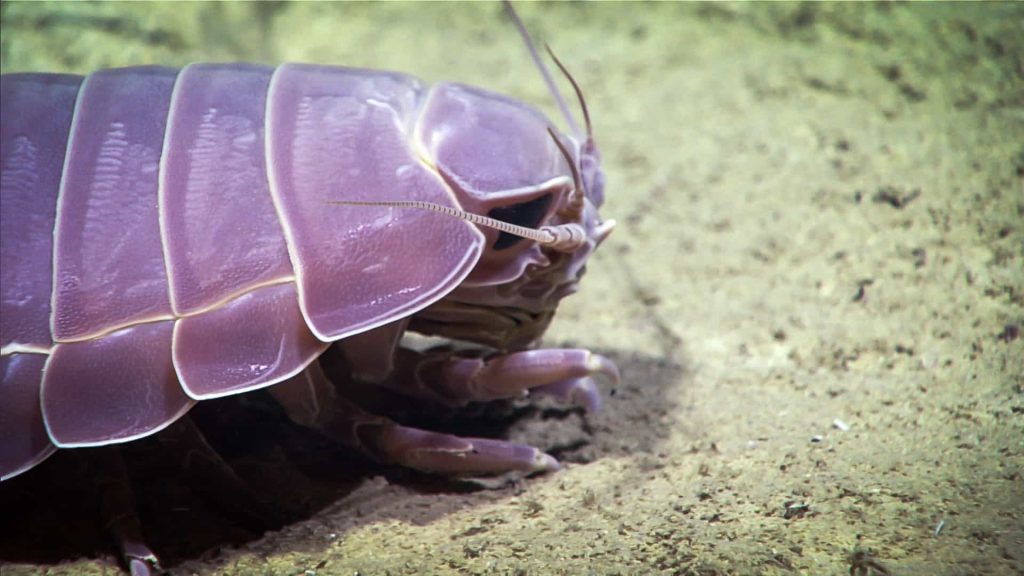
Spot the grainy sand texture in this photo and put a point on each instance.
(815, 292)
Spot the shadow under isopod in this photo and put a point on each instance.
(52, 513)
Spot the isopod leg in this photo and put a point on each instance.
(568, 375)
(582, 392)
(117, 507)
(212, 476)
(310, 400)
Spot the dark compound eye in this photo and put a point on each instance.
(528, 214)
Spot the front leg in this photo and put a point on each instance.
(442, 375)
(311, 400)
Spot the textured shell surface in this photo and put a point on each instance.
(168, 236)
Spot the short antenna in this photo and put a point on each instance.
(574, 207)
(543, 69)
(576, 87)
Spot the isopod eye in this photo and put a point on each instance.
(528, 214)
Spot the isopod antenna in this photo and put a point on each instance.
(544, 70)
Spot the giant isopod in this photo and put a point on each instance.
(171, 236)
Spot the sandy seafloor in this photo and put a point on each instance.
(821, 215)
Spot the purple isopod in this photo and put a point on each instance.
(171, 236)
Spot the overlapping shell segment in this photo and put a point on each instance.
(168, 237)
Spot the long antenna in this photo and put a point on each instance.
(543, 69)
(563, 238)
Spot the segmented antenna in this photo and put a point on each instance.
(563, 238)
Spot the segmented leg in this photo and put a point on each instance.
(210, 475)
(117, 507)
(568, 375)
(310, 400)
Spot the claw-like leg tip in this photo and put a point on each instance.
(586, 395)
(546, 463)
(582, 392)
(598, 364)
(140, 567)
